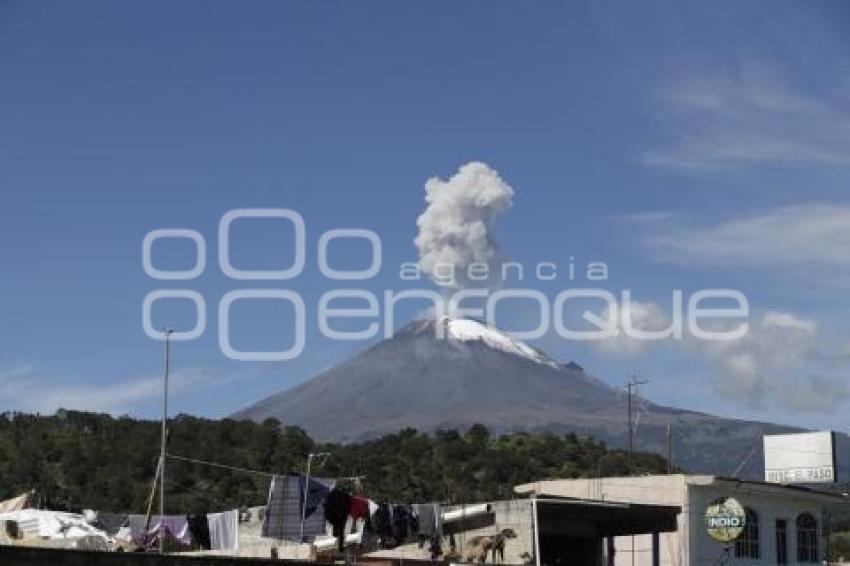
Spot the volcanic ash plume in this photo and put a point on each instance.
(456, 230)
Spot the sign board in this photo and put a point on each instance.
(806, 457)
(725, 519)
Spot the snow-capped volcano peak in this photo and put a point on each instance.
(469, 330)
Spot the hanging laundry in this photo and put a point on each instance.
(171, 527)
(283, 511)
(317, 493)
(404, 523)
(200, 530)
(51, 524)
(382, 524)
(430, 528)
(337, 507)
(359, 507)
(224, 530)
(429, 519)
(111, 523)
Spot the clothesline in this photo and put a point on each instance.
(197, 492)
(243, 470)
(218, 465)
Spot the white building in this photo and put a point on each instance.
(785, 523)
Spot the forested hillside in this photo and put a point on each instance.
(80, 460)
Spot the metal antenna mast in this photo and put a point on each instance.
(632, 386)
(166, 334)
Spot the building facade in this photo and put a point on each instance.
(785, 524)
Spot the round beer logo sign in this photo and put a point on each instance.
(725, 519)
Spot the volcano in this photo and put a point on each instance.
(451, 373)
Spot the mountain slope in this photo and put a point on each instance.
(478, 374)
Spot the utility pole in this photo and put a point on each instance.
(310, 457)
(632, 386)
(669, 449)
(167, 334)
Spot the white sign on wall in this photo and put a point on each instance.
(806, 457)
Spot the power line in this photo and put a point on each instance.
(199, 493)
(245, 470)
(742, 466)
(219, 465)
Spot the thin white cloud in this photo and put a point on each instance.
(641, 316)
(815, 394)
(775, 363)
(15, 370)
(23, 388)
(810, 234)
(747, 116)
(762, 363)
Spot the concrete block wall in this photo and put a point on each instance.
(512, 514)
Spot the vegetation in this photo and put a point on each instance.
(80, 460)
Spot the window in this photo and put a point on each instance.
(781, 541)
(747, 545)
(807, 539)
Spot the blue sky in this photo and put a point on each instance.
(687, 149)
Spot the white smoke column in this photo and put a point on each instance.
(456, 230)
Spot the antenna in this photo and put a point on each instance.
(743, 465)
(632, 386)
(166, 332)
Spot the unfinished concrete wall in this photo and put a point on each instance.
(516, 515)
(653, 490)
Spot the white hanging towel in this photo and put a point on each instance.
(224, 530)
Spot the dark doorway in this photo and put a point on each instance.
(572, 531)
(781, 541)
(570, 551)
